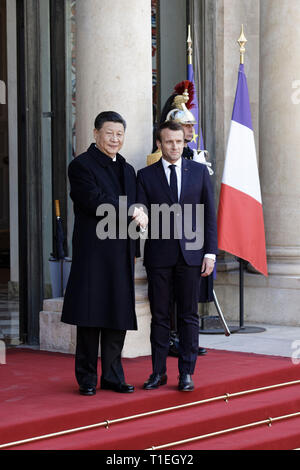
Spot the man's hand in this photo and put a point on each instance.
(207, 267)
(140, 217)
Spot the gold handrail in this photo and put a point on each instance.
(267, 421)
(107, 423)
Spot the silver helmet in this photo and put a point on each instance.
(180, 112)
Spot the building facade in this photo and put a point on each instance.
(62, 62)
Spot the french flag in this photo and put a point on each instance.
(241, 229)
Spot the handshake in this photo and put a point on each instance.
(140, 217)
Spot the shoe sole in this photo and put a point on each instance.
(115, 389)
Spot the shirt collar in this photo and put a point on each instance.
(167, 164)
(109, 159)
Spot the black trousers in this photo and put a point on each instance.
(86, 357)
(182, 281)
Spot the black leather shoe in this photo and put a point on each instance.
(87, 390)
(201, 351)
(155, 381)
(185, 383)
(120, 387)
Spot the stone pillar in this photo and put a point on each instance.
(280, 136)
(114, 71)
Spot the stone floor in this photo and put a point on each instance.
(275, 340)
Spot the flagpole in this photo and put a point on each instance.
(190, 65)
(189, 43)
(241, 263)
(242, 42)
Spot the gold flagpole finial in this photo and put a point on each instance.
(242, 42)
(189, 43)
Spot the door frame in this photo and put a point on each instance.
(32, 248)
(30, 172)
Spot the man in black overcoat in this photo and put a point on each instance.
(99, 297)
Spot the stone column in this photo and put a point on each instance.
(114, 71)
(280, 136)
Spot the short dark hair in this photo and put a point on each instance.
(172, 125)
(109, 116)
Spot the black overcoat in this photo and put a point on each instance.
(100, 289)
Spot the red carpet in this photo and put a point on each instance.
(39, 396)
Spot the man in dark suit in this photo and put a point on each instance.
(171, 261)
(99, 297)
(174, 110)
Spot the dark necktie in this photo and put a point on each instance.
(173, 182)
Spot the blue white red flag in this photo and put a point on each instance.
(240, 215)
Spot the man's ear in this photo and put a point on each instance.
(158, 143)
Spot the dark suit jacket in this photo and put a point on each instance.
(100, 290)
(196, 188)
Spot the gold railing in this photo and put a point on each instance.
(267, 421)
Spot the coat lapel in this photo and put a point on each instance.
(126, 175)
(98, 156)
(185, 174)
(103, 161)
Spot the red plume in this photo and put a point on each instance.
(189, 86)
